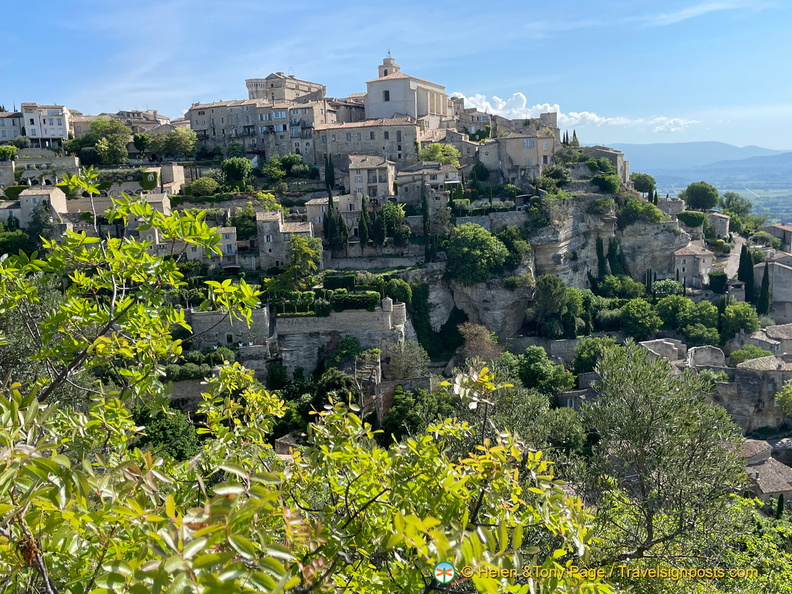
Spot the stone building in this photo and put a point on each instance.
(212, 328)
(782, 232)
(719, 223)
(426, 177)
(10, 125)
(369, 175)
(46, 125)
(394, 93)
(519, 156)
(349, 207)
(32, 197)
(692, 264)
(280, 87)
(391, 138)
(274, 235)
(779, 267)
(614, 156)
(769, 477)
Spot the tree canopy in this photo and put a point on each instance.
(442, 153)
(700, 196)
(474, 254)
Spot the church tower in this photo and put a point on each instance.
(388, 66)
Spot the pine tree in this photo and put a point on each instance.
(763, 304)
(745, 273)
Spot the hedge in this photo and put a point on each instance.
(346, 281)
(692, 219)
(365, 300)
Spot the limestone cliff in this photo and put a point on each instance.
(568, 248)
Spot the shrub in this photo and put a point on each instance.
(365, 300)
(746, 353)
(601, 206)
(717, 281)
(322, 307)
(204, 186)
(519, 281)
(692, 219)
(636, 209)
(346, 281)
(700, 335)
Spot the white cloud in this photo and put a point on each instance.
(690, 12)
(516, 107)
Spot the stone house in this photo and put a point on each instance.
(348, 205)
(779, 267)
(43, 167)
(32, 197)
(671, 206)
(8, 209)
(426, 177)
(692, 264)
(769, 477)
(394, 92)
(280, 87)
(10, 125)
(369, 175)
(782, 232)
(614, 156)
(719, 223)
(46, 125)
(274, 235)
(227, 244)
(776, 339)
(520, 156)
(392, 138)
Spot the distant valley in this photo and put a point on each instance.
(763, 175)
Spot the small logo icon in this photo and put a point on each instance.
(444, 572)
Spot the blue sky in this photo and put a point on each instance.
(616, 70)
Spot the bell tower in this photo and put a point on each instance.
(388, 66)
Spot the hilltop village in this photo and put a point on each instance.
(367, 249)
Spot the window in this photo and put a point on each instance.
(332, 138)
(529, 143)
(32, 122)
(358, 178)
(398, 135)
(349, 137)
(60, 121)
(324, 138)
(229, 338)
(386, 135)
(359, 136)
(2, 133)
(371, 135)
(386, 95)
(544, 145)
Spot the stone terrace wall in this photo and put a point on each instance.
(213, 329)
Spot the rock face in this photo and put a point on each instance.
(502, 311)
(749, 396)
(568, 249)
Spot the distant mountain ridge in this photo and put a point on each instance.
(674, 156)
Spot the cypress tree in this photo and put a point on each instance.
(425, 215)
(780, 507)
(745, 273)
(364, 224)
(329, 172)
(378, 229)
(602, 263)
(763, 304)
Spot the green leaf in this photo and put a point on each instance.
(242, 545)
(228, 488)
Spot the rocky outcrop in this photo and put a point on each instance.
(568, 248)
(502, 311)
(651, 246)
(749, 396)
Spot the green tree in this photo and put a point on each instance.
(736, 203)
(364, 224)
(41, 226)
(112, 150)
(560, 175)
(8, 152)
(783, 398)
(412, 412)
(700, 196)
(700, 335)
(736, 317)
(237, 169)
(166, 430)
(537, 371)
(22, 142)
(305, 256)
(479, 172)
(746, 353)
(703, 312)
(474, 254)
(515, 243)
(666, 287)
(639, 319)
(394, 217)
(672, 310)
(244, 219)
(235, 149)
(666, 461)
(329, 171)
(378, 230)
(406, 359)
(763, 303)
(607, 183)
(204, 186)
(745, 273)
(141, 141)
(589, 352)
(441, 153)
(643, 182)
(11, 242)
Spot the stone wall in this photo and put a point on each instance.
(705, 356)
(749, 396)
(563, 350)
(301, 337)
(357, 258)
(481, 221)
(215, 327)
